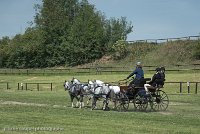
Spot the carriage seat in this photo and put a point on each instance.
(147, 79)
(142, 82)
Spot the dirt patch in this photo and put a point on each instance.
(31, 78)
(21, 103)
(104, 59)
(165, 113)
(178, 104)
(29, 104)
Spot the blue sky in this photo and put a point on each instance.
(151, 19)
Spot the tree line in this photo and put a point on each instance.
(64, 33)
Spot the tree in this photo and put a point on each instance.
(118, 29)
(66, 32)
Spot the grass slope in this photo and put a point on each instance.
(165, 54)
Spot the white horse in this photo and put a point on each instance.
(92, 85)
(99, 90)
(95, 88)
(115, 90)
(76, 90)
(80, 90)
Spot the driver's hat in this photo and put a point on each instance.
(138, 63)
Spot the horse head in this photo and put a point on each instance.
(67, 85)
(99, 82)
(75, 81)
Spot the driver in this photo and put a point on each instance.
(139, 75)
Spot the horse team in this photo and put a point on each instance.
(94, 90)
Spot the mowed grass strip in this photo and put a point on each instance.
(181, 116)
(20, 109)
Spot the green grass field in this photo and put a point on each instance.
(26, 111)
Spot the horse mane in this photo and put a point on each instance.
(76, 81)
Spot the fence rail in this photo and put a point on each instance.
(182, 87)
(197, 37)
(188, 86)
(24, 86)
(6, 84)
(96, 70)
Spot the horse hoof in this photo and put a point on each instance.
(106, 109)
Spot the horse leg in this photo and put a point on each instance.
(105, 104)
(94, 100)
(88, 101)
(115, 104)
(115, 101)
(72, 98)
(81, 102)
(78, 100)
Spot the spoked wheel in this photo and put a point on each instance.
(140, 101)
(160, 101)
(122, 102)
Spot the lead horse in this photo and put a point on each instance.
(76, 90)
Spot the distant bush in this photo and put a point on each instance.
(119, 50)
(197, 51)
(139, 50)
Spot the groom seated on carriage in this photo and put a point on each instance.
(157, 80)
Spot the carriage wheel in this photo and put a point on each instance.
(140, 102)
(122, 102)
(160, 101)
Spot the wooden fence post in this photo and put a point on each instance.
(196, 87)
(38, 86)
(7, 86)
(51, 87)
(26, 86)
(22, 86)
(180, 87)
(188, 85)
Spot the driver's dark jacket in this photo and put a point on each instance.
(138, 72)
(139, 76)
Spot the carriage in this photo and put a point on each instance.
(156, 97)
(123, 96)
